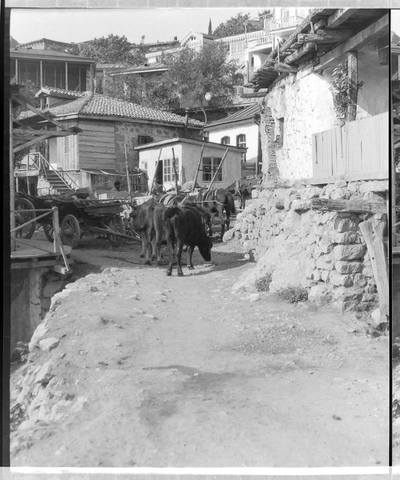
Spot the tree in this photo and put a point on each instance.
(241, 23)
(189, 77)
(112, 49)
(192, 74)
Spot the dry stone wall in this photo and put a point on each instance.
(297, 246)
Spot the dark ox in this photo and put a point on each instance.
(185, 225)
(142, 219)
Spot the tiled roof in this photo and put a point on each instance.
(60, 92)
(245, 114)
(102, 106)
(47, 54)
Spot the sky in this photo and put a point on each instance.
(395, 24)
(80, 25)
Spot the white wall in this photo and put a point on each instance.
(232, 130)
(231, 169)
(307, 108)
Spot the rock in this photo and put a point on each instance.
(345, 237)
(360, 280)
(349, 252)
(254, 297)
(44, 375)
(38, 334)
(348, 267)
(347, 224)
(93, 288)
(374, 186)
(319, 294)
(324, 262)
(339, 279)
(325, 274)
(301, 205)
(47, 344)
(228, 235)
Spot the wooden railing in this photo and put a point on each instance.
(356, 151)
(58, 246)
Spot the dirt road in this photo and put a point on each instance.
(162, 371)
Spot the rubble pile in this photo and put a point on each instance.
(298, 246)
(48, 391)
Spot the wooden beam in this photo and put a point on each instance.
(348, 206)
(21, 101)
(340, 16)
(36, 140)
(352, 43)
(352, 73)
(283, 67)
(301, 52)
(323, 36)
(372, 231)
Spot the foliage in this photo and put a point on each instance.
(262, 284)
(293, 294)
(340, 86)
(112, 49)
(189, 77)
(238, 24)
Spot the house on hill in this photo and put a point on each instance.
(313, 127)
(240, 129)
(110, 129)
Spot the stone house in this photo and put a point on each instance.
(109, 130)
(319, 220)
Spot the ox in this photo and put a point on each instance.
(143, 222)
(184, 225)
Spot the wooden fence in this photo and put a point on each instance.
(357, 151)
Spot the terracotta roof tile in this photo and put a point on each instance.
(108, 107)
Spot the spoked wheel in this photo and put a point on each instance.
(116, 224)
(22, 217)
(70, 230)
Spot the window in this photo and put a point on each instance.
(143, 139)
(210, 165)
(241, 142)
(168, 170)
(226, 140)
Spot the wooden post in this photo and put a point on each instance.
(66, 75)
(216, 172)
(16, 71)
(41, 73)
(198, 167)
(175, 172)
(12, 180)
(127, 172)
(372, 231)
(155, 171)
(352, 72)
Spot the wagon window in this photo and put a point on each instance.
(210, 165)
(226, 140)
(168, 170)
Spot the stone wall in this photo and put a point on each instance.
(298, 246)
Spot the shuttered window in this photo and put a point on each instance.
(67, 152)
(168, 170)
(226, 140)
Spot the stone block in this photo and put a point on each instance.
(325, 274)
(345, 237)
(301, 205)
(349, 252)
(319, 294)
(346, 224)
(374, 186)
(338, 279)
(360, 280)
(352, 294)
(47, 344)
(324, 262)
(348, 267)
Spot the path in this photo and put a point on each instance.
(181, 372)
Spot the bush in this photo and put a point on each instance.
(293, 294)
(262, 284)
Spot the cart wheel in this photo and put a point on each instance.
(49, 232)
(70, 230)
(22, 217)
(117, 225)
